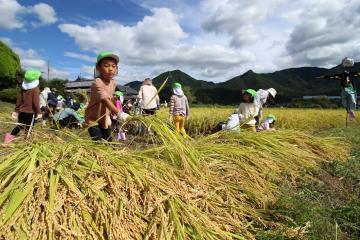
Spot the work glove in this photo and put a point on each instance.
(15, 115)
(122, 117)
(38, 116)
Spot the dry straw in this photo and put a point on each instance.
(212, 187)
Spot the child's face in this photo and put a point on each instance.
(246, 97)
(107, 68)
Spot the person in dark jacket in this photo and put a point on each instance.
(27, 105)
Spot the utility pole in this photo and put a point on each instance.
(48, 70)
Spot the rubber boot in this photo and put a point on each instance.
(119, 137)
(8, 138)
(351, 115)
(123, 136)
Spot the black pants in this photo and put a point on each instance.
(151, 111)
(97, 133)
(69, 121)
(25, 120)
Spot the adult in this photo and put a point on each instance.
(262, 97)
(148, 97)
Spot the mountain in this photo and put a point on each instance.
(290, 83)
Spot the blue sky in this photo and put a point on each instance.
(209, 39)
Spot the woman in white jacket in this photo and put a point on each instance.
(148, 97)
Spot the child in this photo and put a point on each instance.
(179, 108)
(268, 124)
(248, 110)
(101, 103)
(119, 100)
(27, 105)
(69, 117)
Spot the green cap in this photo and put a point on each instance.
(176, 85)
(252, 92)
(32, 75)
(271, 116)
(118, 94)
(107, 54)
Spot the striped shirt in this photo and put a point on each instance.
(179, 105)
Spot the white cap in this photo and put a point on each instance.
(272, 91)
(347, 62)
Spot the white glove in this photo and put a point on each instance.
(122, 117)
(38, 116)
(15, 115)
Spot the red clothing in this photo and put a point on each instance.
(28, 101)
(97, 110)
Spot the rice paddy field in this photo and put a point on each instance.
(300, 182)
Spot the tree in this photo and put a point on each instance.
(188, 93)
(59, 84)
(9, 67)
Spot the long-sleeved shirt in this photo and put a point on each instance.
(248, 112)
(179, 105)
(67, 112)
(28, 101)
(261, 98)
(149, 96)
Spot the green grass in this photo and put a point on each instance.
(329, 201)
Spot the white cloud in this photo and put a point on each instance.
(45, 13)
(326, 33)
(237, 19)
(158, 41)
(9, 12)
(83, 57)
(12, 14)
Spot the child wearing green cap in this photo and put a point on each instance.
(268, 124)
(179, 108)
(248, 110)
(27, 107)
(119, 99)
(101, 103)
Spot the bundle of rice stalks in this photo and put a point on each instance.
(214, 187)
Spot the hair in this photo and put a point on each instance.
(75, 106)
(251, 97)
(147, 81)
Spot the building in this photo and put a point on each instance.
(84, 85)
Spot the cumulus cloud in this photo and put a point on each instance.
(238, 19)
(9, 14)
(326, 33)
(12, 14)
(45, 13)
(155, 41)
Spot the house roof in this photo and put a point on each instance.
(85, 84)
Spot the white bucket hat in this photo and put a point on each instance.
(272, 91)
